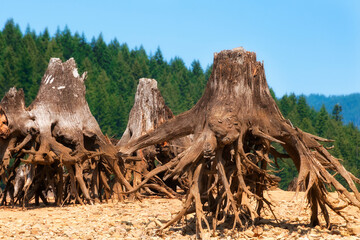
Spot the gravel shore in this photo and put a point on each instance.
(141, 220)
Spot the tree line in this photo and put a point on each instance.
(350, 105)
(113, 73)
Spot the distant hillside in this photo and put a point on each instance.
(350, 105)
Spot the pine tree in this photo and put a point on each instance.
(302, 107)
(12, 35)
(322, 121)
(101, 53)
(198, 80)
(336, 113)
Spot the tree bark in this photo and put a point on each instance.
(234, 124)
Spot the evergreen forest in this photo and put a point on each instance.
(113, 73)
(350, 105)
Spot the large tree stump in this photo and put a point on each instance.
(58, 130)
(234, 124)
(148, 112)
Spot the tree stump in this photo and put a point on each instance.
(58, 130)
(234, 124)
(148, 112)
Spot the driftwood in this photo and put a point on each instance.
(148, 112)
(234, 124)
(58, 135)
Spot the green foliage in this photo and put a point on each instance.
(336, 113)
(113, 73)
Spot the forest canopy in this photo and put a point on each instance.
(113, 73)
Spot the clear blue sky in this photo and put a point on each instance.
(307, 46)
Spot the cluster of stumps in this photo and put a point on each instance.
(218, 156)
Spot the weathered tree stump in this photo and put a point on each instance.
(234, 124)
(58, 130)
(148, 112)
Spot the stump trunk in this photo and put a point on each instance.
(148, 112)
(58, 130)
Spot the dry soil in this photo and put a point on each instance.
(141, 220)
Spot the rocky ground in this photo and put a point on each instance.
(140, 220)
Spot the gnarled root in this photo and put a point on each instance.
(228, 166)
(57, 131)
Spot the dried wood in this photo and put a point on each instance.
(148, 112)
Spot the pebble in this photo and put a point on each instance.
(354, 229)
(141, 220)
(249, 233)
(258, 231)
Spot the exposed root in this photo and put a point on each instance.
(57, 133)
(228, 167)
